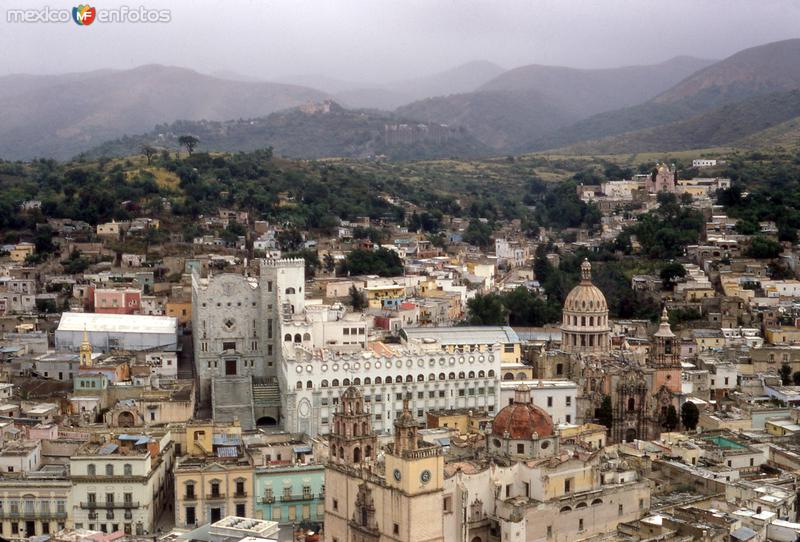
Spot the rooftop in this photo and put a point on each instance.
(117, 323)
(464, 334)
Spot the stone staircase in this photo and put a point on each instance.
(266, 394)
(232, 397)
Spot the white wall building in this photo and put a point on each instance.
(312, 381)
(556, 397)
(116, 331)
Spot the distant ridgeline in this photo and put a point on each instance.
(314, 130)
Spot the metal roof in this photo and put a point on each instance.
(227, 451)
(464, 334)
(107, 449)
(117, 323)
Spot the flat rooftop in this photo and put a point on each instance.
(464, 334)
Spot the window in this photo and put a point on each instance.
(127, 498)
(190, 491)
(91, 470)
(396, 529)
(335, 504)
(619, 510)
(109, 469)
(229, 345)
(567, 485)
(215, 489)
(448, 504)
(240, 510)
(127, 469)
(520, 448)
(569, 400)
(580, 524)
(549, 531)
(550, 401)
(508, 348)
(240, 487)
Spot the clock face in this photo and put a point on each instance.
(425, 476)
(396, 474)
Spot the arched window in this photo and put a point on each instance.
(297, 338)
(378, 380)
(409, 378)
(508, 376)
(109, 469)
(289, 290)
(631, 404)
(299, 385)
(287, 338)
(324, 384)
(91, 470)
(565, 509)
(471, 374)
(521, 376)
(346, 382)
(127, 469)
(356, 455)
(367, 381)
(306, 336)
(441, 376)
(451, 376)
(481, 374)
(491, 373)
(420, 378)
(398, 379)
(335, 383)
(356, 381)
(309, 385)
(431, 376)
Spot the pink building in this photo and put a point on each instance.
(116, 301)
(43, 432)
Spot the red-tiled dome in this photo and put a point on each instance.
(521, 419)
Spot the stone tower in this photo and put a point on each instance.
(86, 350)
(352, 440)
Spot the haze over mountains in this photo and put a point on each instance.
(681, 103)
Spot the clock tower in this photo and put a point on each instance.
(413, 466)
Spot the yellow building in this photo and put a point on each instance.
(21, 252)
(361, 505)
(463, 420)
(781, 427)
(783, 335)
(215, 478)
(182, 310)
(377, 296)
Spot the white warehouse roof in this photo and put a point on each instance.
(117, 323)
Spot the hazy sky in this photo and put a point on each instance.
(380, 40)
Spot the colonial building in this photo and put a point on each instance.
(398, 497)
(123, 484)
(215, 477)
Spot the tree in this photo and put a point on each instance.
(311, 260)
(357, 299)
(43, 239)
(149, 151)
(671, 421)
(786, 374)
(763, 248)
(328, 263)
(690, 415)
(382, 262)
(605, 414)
(486, 310)
(671, 272)
(188, 141)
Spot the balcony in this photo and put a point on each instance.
(109, 505)
(32, 514)
(215, 496)
(303, 497)
(192, 497)
(267, 500)
(240, 494)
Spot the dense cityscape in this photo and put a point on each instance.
(397, 271)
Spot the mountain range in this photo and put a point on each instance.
(682, 103)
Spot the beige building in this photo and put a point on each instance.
(121, 484)
(215, 478)
(21, 251)
(401, 502)
(35, 503)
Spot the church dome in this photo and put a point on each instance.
(521, 420)
(586, 297)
